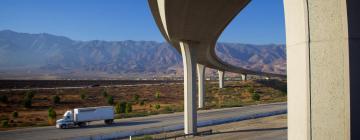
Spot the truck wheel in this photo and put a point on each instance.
(63, 126)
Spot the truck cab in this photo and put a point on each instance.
(67, 120)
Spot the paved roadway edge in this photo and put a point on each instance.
(147, 131)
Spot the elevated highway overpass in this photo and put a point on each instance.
(322, 44)
(193, 27)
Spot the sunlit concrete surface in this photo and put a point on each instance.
(322, 40)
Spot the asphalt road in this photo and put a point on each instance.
(140, 124)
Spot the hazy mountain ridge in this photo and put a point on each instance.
(50, 53)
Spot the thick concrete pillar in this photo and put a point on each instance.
(221, 78)
(323, 53)
(243, 77)
(190, 118)
(200, 74)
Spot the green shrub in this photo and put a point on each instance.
(110, 100)
(3, 98)
(51, 113)
(15, 114)
(56, 99)
(51, 116)
(168, 109)
(255, 96)
(157, 95)
(28, 98)
(142, 102)
(4, 123)
(157, 106)
(30, 94)
(4, 117)
(122, 107)
(27, 102)
(104, 93)
(83, 96)
(146, 137)
(117, 108)
(128, 108)
(250, 89)
(136, 98)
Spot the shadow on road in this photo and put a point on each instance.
(117, 124)
(251, 130)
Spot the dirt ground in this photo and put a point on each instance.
(236, 93)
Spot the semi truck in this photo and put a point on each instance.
(79, 117)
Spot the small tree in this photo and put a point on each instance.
(30, 94)
(128, 108)
(5, 123)
(142, 102)
(15, 114)
(83, 96)
(136, 98)
(27, 102)
(104, 93)
(250, 89)
(157, 95)
(255, 96)
(168, 109)
(28, 98)
(3, 98)
(157, 106)
(110, 100)
(117, 108)
(51, 115)
(123, 107)
(56, 99)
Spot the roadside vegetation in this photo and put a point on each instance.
(43, 107)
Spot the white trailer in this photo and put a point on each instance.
(81, 116)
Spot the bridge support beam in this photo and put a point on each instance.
(190, 116)
(221, 78)
(201, 93)
(323, 53)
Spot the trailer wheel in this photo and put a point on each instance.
(63, 126)
(108, 122)
(82, 124)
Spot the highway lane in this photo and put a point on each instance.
(140, 124)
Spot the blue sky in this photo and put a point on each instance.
(261, 22)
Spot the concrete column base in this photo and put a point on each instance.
(190, 116)
(200, 74)
(243, 77)
(221, 78)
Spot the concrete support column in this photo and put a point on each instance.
(243, 77)
(221, 78)
(323, 53)
(190, 118)
(200, 74)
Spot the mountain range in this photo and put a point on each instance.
(47, 56)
